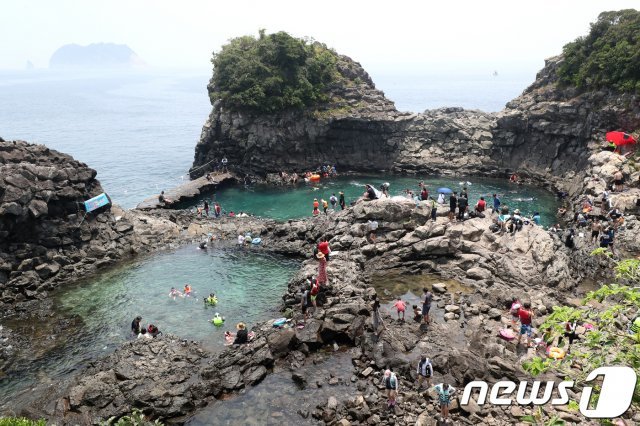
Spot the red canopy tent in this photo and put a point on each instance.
(620, 138)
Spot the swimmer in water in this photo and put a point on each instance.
(174, 293)
(187, 290)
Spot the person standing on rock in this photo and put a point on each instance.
(390, 382)
(425, 371)
(426, 304)
(596, 228)
(323, 247)
(135, 326)
(462, 207)
(322, 269)
(434, 208)
(445, 393)
(333, 200)
(453, 203)
(376, 317)
(618, 181)
(325, 206)
(514, 309)
(341, 200)
(372, 227)
(206, 208)
(496, 203)
(305, 303)
(217, 210)
(526, 322)
(400, 306)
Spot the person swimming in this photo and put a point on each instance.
(211, 300)
(174, 293)
(187, 290)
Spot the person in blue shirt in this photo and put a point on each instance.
(536, 218)
(496, 203)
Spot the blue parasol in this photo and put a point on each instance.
(444, 191)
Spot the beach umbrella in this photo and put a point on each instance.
(444, 191)
(620, 138)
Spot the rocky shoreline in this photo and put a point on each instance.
(549, 135)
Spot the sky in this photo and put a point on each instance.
(393, 36)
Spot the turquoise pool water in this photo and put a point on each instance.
(97, 314)
(292, 202)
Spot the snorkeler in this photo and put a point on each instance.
(211, 300)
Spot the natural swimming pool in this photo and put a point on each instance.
(293, 202)
(249, 285)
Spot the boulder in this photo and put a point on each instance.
(38, 208)
(439, 288)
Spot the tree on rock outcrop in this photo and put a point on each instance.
(608, 57)
(272, 73)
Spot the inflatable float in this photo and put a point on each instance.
(256, 241)
(314, 178)
(217, 320)
(556, 353)
(507, 334)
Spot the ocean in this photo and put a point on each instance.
(139, 129)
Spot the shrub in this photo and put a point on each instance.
(272, 73)
(20, 421)
(608, 57)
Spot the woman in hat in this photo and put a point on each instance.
(242, 335)
(322, 268)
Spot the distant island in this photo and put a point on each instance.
(95, 55)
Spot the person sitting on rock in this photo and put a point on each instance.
(481, 205)
(164, 201)
(417, 314)
(144, 335)
(369, 193)
(242, 336)
(153, 331)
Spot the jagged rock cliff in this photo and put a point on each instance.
(351, 130)
(552, 131)
(547, 133)
(44, 239)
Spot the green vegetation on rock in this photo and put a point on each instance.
(608, 57)
(273, 72)
(20, 421)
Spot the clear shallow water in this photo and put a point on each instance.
(277, 400)
(249, 286)
(289, 202)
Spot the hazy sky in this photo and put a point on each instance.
(402, 36)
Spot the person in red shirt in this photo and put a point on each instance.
(526, 321)
(323, 247)
(481, 205)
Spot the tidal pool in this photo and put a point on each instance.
(293, 202)
(248, 283)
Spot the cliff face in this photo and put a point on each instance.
(552, 131)
(44, 239)
(351, 131)
(548, 134)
